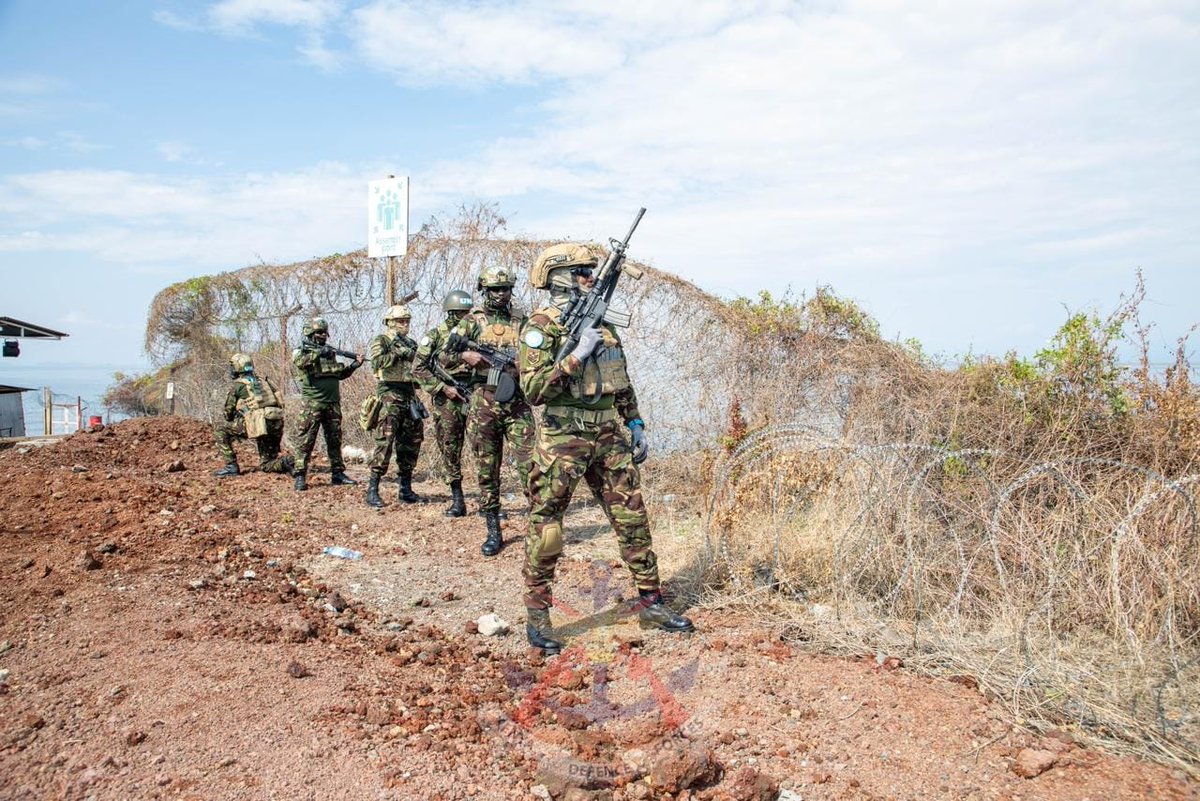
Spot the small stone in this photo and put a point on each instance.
(449, 595)
(135, 737)
(79, 469)
(297, 670)
(108, 547)
(491, 625)
(540, 791)
(1031, 762)
(32, 721)
(176, 466)
(27, 563)
(207, 509)
(336, 601)
(87, 561)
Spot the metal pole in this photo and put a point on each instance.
(78, 413)
(47, 411)
(389, 290)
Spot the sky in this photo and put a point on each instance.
(969, 173)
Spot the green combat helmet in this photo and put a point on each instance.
(316, 325)
(495, 278)
(568, 254)
(458, 300)
(240, 363)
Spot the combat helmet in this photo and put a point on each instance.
(567, 254)
(316, 325)
(240, 363)
(458, 300)
(397, 312)
(496, 278)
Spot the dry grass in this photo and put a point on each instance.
(1031, 523)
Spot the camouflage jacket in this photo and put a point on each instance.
(567, 383)
(452, 363)
(500, 329)
(392, 359)
(320, 376)
(242, 395)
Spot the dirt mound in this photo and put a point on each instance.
(169, 634)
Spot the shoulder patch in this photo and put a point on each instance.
(534, 338)
(425, 340)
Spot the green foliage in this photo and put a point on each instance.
(1081, 361)
(825, 313)
(135, 395)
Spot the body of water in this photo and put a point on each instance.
(87, 382)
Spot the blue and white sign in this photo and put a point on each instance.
(387, 217)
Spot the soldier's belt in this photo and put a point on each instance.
(594, 416)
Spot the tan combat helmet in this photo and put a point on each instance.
(458, 300)
(397, 312)
(240, 363)
(567, 254)
(495, 278)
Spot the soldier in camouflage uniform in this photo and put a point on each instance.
(591, 429)
(489, 421)
(253, 410)
(449, 405)
(320, 374)
(401, 426)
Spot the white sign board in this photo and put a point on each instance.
(387, 217)
(170, 390)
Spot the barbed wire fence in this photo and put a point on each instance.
(1059, 571)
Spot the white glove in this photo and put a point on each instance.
(589, 340)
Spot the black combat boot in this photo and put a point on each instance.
(491, 546)
(301, 482)
(341, 479)
(458, 504)
(230, 469)
(373, 498)
(500, 514)
(406, 491)
(653, 613)
(538, 631)
(287, 464)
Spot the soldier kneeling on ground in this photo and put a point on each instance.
(253, 410)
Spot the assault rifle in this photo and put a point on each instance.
(442, 374)
(502, 360)
(328, 350)
(588, 310)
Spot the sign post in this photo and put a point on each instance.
(387, 224)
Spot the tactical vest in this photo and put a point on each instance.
(398, 372)
(497, 334)
(260, 394)
(606, 373)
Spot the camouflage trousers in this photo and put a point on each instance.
(397, 432)
(490, 424)
(568, 450)
(269, 460)
(316, 416)
(450, 426)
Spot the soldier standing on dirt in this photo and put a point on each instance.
(492, 420)
(320, 375)
(253, 410)
(449, 405)
(583, 433)
(401, 421)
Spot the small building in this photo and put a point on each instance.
(12, 413)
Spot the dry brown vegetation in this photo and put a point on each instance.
(1031, 523)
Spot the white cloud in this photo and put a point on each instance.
(240, 16)
(174, 151)
(214, 223)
